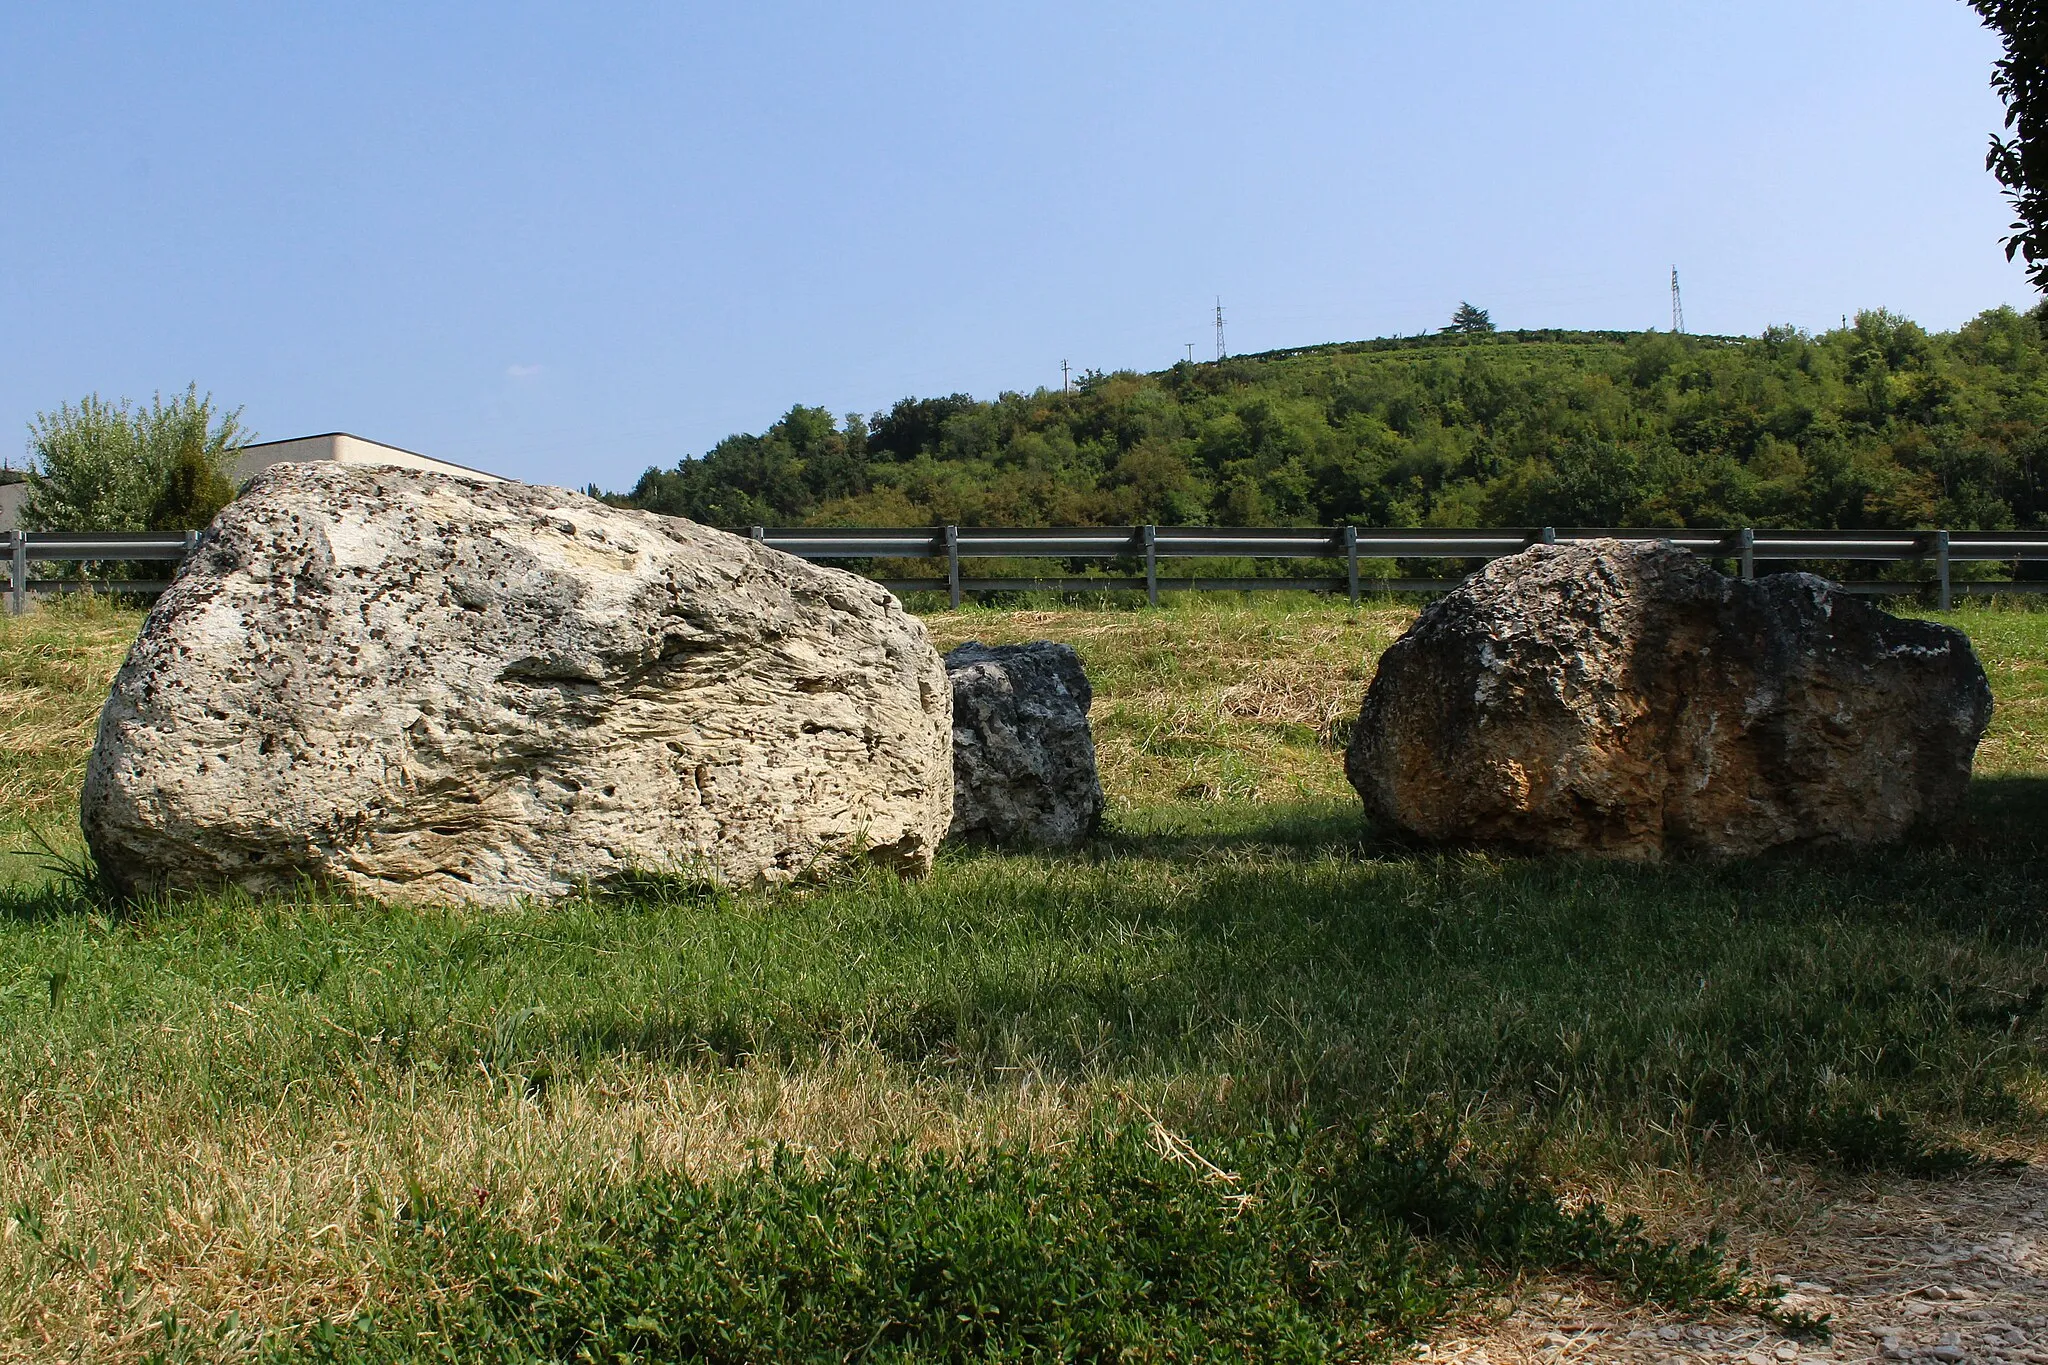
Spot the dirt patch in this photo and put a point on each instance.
(1938, 1271)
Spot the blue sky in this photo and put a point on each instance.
(565, 242)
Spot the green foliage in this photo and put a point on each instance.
(1877, 424)
(1801, 1324)
(1132, 1245)
(2021, 162)
(1470, 321)
(101, 466)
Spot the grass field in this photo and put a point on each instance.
(1239, 1073)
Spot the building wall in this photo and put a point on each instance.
(260, 457)
(341, 448)
(12, 495)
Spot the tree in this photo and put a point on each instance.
(2021, 161)
(1883, 424)
(102, 466)
(1470, 321)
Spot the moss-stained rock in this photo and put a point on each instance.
(1624, 698)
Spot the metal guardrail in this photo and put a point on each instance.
(23, 548)
(1746, 547)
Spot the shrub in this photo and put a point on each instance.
(101, 466)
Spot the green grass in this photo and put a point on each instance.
(270, 1113)
(54, 670)
(1127, 1247)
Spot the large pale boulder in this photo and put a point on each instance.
(438, 689)
(1023, 758)
(1625, 699)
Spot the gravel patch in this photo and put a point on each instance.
(1952, 1270)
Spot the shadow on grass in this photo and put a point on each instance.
(1853, 1004)
(1292, 829)
(2006, 820)
(63, 881)
(2005, 808)
(1277, 961)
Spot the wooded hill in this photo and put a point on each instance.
(1877, 424)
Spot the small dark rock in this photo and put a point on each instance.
(1023, 758)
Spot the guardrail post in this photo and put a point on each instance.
(1941, 568)
(1152, 565)
(1550, 535)
(17, 566)
(953, 565)
(758, 534)
(191, 548)
(1351, 560)
(1745, 544)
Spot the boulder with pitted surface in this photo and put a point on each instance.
(1626, 699)
(423, 687)
(1023, 757)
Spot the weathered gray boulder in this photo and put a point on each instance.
(440, 689)
(1626, 699)
(1023, 759)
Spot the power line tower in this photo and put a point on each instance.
(1219, 327)
(1677, 308)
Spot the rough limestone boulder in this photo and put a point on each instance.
(1625, 699)
(438, 689)
(1023, 759)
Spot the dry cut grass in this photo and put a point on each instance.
(55, 664)
(279, 1215)
(2010, 642)
(1202, 701)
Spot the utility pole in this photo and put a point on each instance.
(1677, 308)
(1219, 327)
(1063, 376)
(1191, 352)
